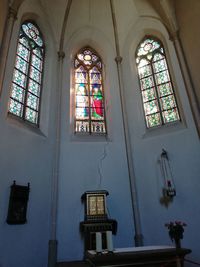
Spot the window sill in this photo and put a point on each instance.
(165, 129)
(85, 137)
(18, 122)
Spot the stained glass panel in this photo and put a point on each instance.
(27, 76)
(165, 89)
(17, 93)
(35, 74)
(21, 65)
(19, 78)
(36, 62)
(168, 102)
(95, 76)
(31, 115)
(144, 71)
(170, 115)
(162, 77)
(147, 82)
(89, 113)
(149, 94)
(151, 107)
(98, 127)
(32, 101)
(16, 108)
(158, 99)
(82, 127)
(159, 65)
(32, 32)
(153, 120)
(34, 87)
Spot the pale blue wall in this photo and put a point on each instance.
(28, 156)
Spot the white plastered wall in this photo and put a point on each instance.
(180, 140)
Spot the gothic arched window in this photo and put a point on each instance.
(158, 97)
(27, 76)
(89, 95)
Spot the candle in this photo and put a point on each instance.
(109, 240)
(98, 242)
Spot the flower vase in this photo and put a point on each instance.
(177, 243)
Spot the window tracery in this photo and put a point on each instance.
(159, 102)
(89, 94)
(26, 85)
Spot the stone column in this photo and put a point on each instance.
(132, 179)
(52, 254)
(187, 80)
(12, 16)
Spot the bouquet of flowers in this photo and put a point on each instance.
(176, 230)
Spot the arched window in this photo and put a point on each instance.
(89, 95)
(27, 76)
(158, 97)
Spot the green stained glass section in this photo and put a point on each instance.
(21, 64)
(165, 89)
(19, 78)
(15, 108)
(162, 77)
(32, 101)
(170, 115)
(38, 52)
(31, 115)
(158, 56)
(34, 87)
(159, 66)
(153, 120)
(35, 74)
(17, 93)
(23, 52)
(168, 102)
(36, 62)
(144, 71)
(151, 107)
(148, 94)
(147, 82)
(157, 90)
(24, 42)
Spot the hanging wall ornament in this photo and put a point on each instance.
(169, 189)
(18, 204)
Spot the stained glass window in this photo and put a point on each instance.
(89, 95)
(27, 75)
(159, 102)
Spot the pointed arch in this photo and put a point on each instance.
(159, 101)
(89, 92)
(26, 87)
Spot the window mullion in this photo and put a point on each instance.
(89, 99)
(156, 91)
(27, 84)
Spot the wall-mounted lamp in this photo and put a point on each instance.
(169, 186)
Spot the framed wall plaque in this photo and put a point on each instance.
(18, 204)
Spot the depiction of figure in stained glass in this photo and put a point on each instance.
(81, 102)
(97, 102)
(156, 87)
(89, 110)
